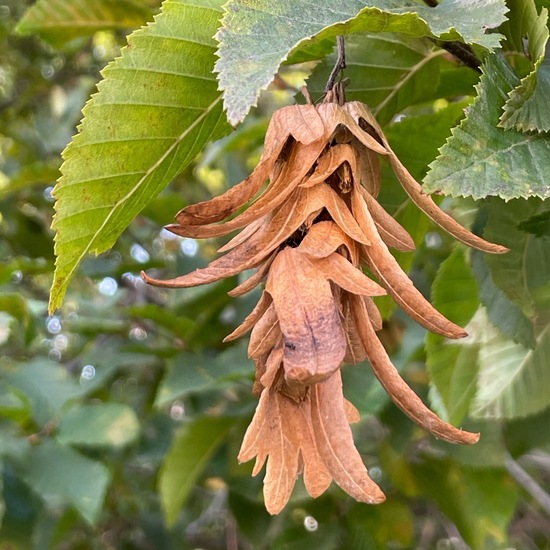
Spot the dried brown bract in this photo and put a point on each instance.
(308, 234)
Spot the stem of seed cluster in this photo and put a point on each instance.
(340, 64)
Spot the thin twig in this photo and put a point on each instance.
(339, 66)
(305, 93)
(537, 458)
(461, 51)
(528, 483)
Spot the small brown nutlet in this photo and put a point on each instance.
(308, 235)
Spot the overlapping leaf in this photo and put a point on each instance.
(527, 106)
(157, 106)
(60, 21)
(481, 159)
(257, 37)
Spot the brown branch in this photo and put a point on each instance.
(340, 64)
(462, 52)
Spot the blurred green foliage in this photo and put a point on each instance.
(122, 414)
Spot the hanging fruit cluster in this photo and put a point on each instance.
(309, 235)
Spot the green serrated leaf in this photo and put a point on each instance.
(481, 159)
(192, 448)
(513, 381)
(257, 37)
(60, 21)
(503, 313)
(453, 364)
(156, 108)
(527, 107)
(61, 476)
(107, 425)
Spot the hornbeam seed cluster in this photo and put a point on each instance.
(309, 234)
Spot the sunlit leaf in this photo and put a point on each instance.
(481, 159)
(61, 476)
(256, 38)
(513, 381)
(193, 446)
(60, 21)
(106, 425)
(157, 106)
